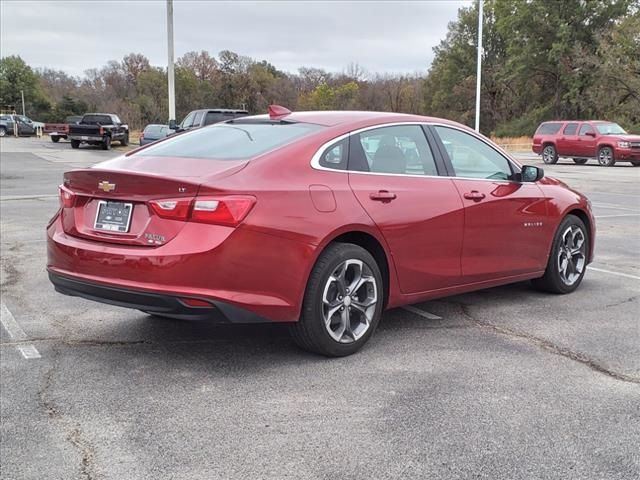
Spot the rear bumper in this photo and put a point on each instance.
(91, 137)
(156, 303)
(244, 273)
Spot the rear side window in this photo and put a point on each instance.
(548, 128)
(230, 142)
(336, 155)
(570, 129)
(214, 117)
(399, 150)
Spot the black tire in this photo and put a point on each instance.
(310, 332)
(125, 140)
(580, 161)
(75, 143)
(55, 139)
(106, 143)
(605, 157)
(549, 154)
(635, 163)
(552, 280)
(3, 131)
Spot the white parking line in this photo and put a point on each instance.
(619, 215)
(619, 274)
(16, 333)
(614, 206)
(422, 313)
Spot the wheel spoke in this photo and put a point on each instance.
(349, 301)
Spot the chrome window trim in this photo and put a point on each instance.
(315, 160)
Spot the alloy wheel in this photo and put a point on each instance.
(549, 154)
(571, 255)
(349, 301)
(605, 156)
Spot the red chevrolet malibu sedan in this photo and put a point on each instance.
(319, 219)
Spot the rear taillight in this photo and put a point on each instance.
(67, 197)
(173, 208)
(220, 210)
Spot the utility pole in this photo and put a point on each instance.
(479, 64)
(170, 70)
(23, 110)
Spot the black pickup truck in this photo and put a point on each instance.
(99, 129)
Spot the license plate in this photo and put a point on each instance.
(113, 216)
(84, 137)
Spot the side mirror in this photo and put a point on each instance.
(529, 173)
(173, 125)
(590, 134)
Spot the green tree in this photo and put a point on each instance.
(16, 77)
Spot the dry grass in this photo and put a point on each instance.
(134, 137)
(514, 144)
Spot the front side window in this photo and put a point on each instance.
(473, 158)
(610, 129)
(401, 149)
(188, 121)
(197, 120)
(586, 128)
(230, 141)
(570, 129)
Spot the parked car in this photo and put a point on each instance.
(56, 131)
(99, 129)
(607, 142)
(286, 218)
(26, 126)
(154, 132)
(208, 116)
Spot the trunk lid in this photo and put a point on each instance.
(135, 186)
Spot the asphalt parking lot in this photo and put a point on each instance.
(506, 383)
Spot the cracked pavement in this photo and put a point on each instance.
(509, 384)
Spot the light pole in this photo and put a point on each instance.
(479, 64)
(24, 114)
(170, 71)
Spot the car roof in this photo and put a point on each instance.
(330, 118)
(577, 121)
(220, 110)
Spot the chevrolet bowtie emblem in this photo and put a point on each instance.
(106, 186)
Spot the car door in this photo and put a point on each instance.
(395, 176)
(587, 140)
(567, 143)
(505, 228)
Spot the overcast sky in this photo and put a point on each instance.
(395, 36)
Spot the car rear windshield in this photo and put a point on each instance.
(153, 130)
(230, 142)
(610, 129)
(96, 120)
(548, 128)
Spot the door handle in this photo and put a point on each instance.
(474, 195)
(382, 196)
